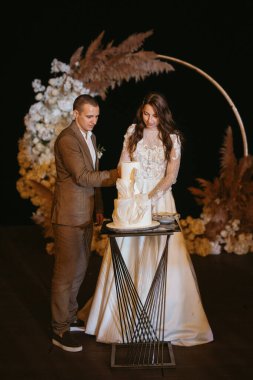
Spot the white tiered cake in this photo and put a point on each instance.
(131, 209)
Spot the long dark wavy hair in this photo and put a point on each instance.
(166, 124)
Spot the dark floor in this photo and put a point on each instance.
(226, 285)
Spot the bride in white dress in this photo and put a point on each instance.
(155, 143)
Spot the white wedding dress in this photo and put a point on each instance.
(186, 323)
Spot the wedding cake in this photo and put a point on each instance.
(131, 209)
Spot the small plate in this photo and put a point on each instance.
(165, 217)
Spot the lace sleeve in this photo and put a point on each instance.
(125, 156)
(171, 171)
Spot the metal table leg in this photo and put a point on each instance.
(142, 326)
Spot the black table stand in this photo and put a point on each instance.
(142, 325)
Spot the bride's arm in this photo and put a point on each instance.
(125, 156)
(171, 171)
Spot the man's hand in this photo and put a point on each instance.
(119, 171)
(99, 218)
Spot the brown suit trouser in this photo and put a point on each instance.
(72, 252)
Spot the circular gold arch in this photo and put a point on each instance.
(224, 93)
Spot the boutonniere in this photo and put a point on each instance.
(100, 151)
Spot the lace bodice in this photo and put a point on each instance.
(153, 165)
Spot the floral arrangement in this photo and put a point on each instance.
(95, 72)
(226, 221)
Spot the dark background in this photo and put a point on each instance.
(214, 36)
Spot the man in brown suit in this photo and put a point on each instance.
(77, 188)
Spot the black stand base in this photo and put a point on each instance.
(142, 355)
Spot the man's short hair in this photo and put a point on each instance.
(84, 99)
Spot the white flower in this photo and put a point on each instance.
(65, 105)
(37, 86)
(39, 96)
(224, 233)
(215, 247)
(58, 66)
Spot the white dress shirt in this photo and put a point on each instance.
(87, 137)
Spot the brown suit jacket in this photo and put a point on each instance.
(77, 183)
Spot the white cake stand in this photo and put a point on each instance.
(154, 224)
